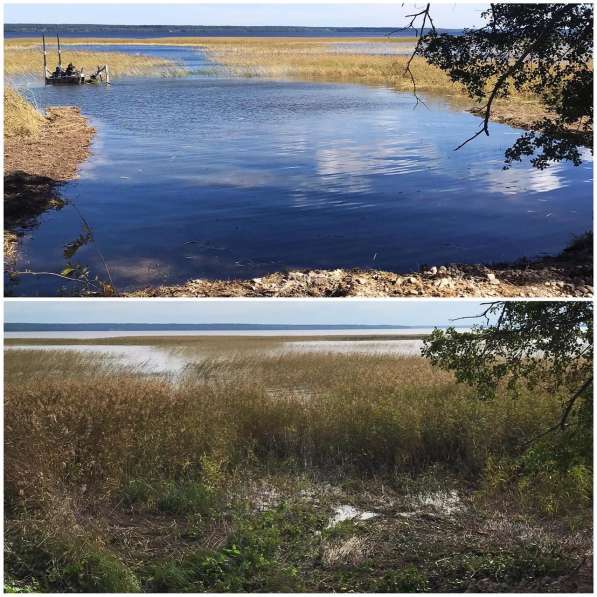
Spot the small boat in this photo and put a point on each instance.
(71, 75)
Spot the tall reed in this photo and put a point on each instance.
(100, 429)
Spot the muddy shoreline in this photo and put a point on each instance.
(36, 166)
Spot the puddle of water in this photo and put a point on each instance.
(442, 502)
(401, 347)
(346, 512)
(211, 176)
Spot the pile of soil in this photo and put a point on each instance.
(567, 275)
(35, 166)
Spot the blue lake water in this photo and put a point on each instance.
(215, 176)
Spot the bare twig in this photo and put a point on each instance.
(30, 273)
(97, 249)
(426, 14)
(484, 314)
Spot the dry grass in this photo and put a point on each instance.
(21, 119)
(313, 60)
(10, 248)
(71, 424)
(27, 60)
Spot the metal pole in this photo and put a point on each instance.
(59, 54)
(43, 37)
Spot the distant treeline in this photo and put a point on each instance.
(23, 29)
(140, 327)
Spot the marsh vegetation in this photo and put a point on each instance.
(22, 58)
(286, 472)
(310, 59)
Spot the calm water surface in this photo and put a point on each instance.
(212, 176)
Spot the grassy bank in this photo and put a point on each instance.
(230, 479)
(318, 62)
(312, 60)
(40, 151)
(21, 118)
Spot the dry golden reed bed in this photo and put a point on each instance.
(100, 427)
(313, 60)
(27, 60)
(304, 58)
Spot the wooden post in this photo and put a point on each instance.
(59, 53)
(43, 38)
(107, 75)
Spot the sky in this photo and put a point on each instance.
(302, 312)
(448, 15)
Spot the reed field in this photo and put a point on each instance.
(228, 478)
(302, 58)
(28, 60)
(318, 62)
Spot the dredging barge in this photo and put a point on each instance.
(71, 75)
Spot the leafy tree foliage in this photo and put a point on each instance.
(545, 49)
(524, 343)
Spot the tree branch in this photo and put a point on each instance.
(561, 425)
(502, 79)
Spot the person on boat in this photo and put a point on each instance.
(70, 69)
(58, 72)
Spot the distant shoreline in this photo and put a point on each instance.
(12, 30)
(192, 327)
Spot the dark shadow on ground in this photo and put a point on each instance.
(27, 197)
